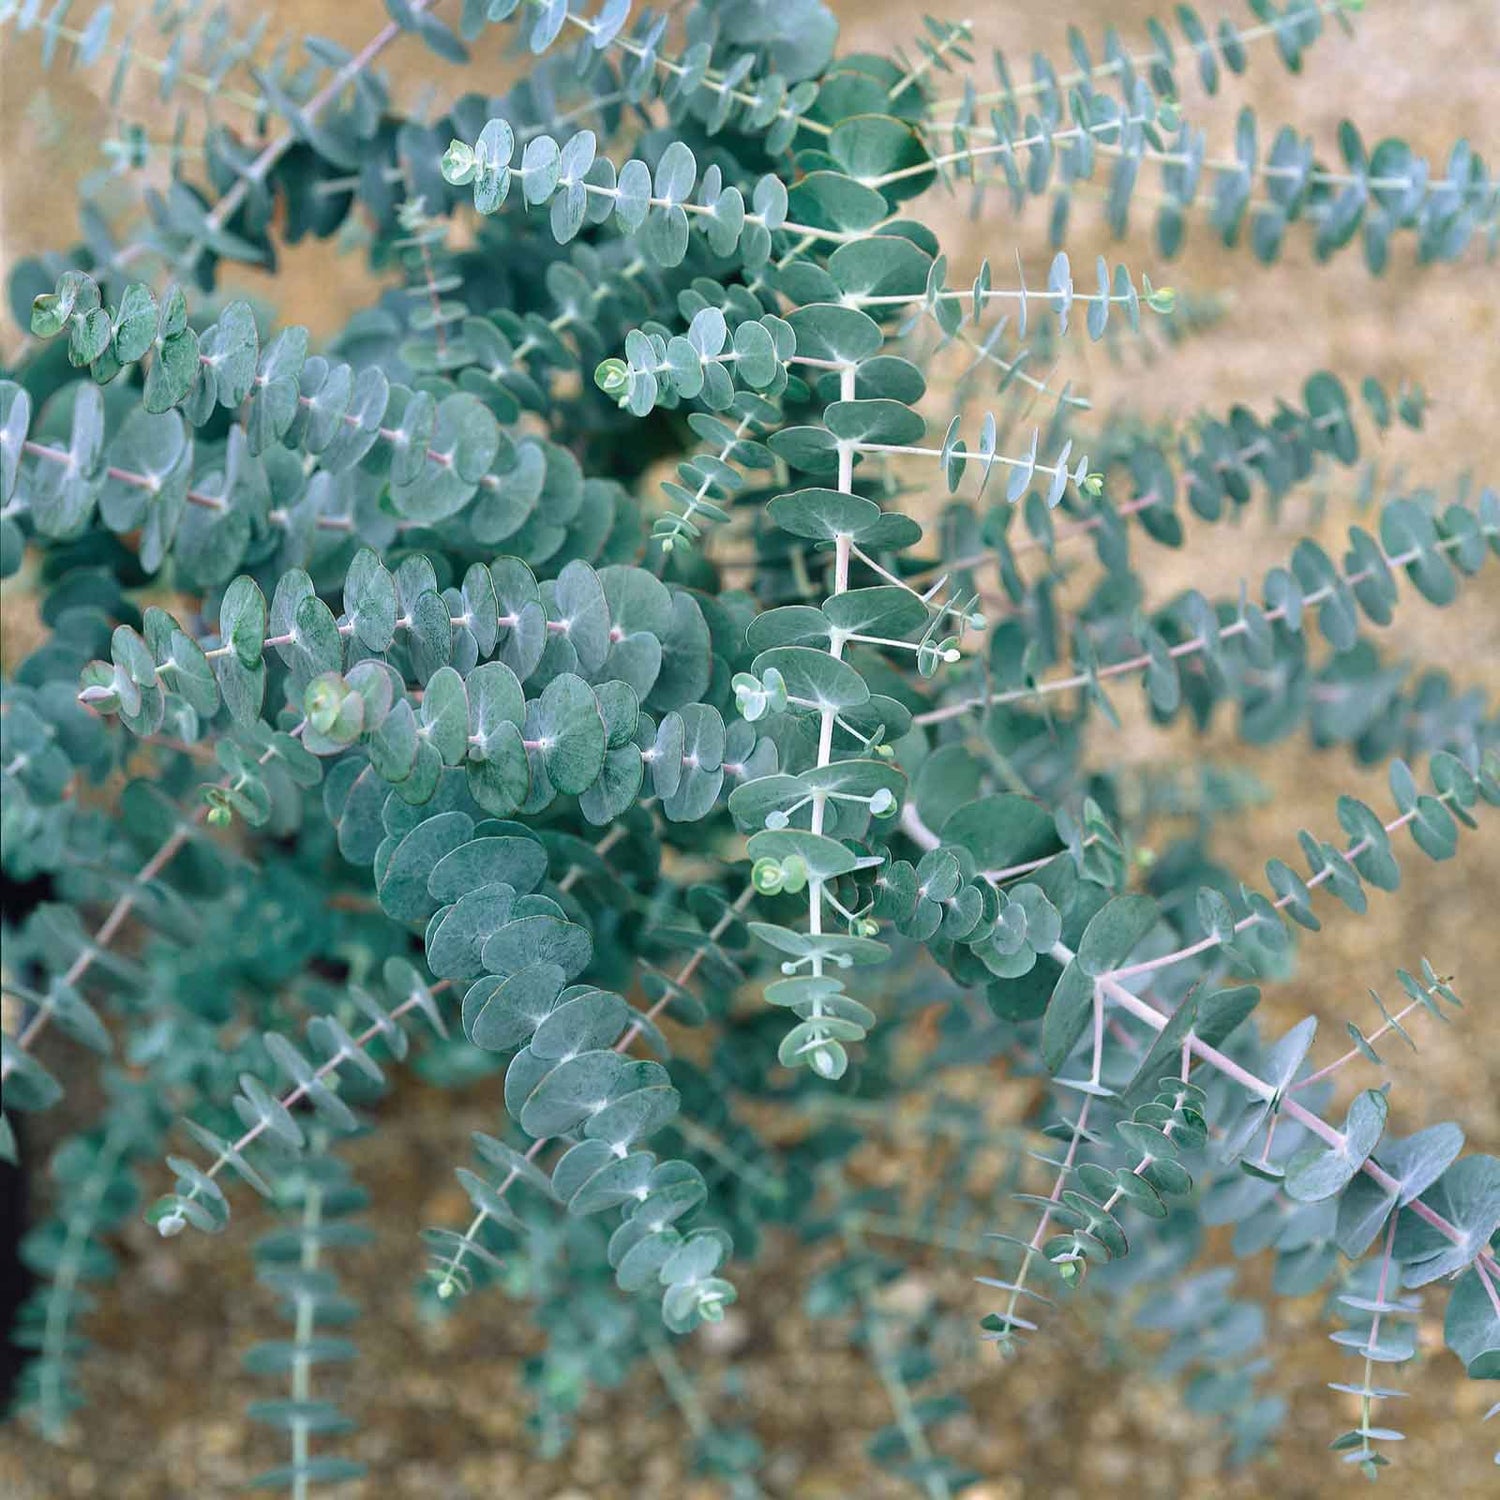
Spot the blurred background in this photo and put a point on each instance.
(439, 1405)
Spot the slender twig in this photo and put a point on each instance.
(1138, 62)
(1190, 647)
(111, 925)
(1331, 1135)
(448, 1284)
(274, 150)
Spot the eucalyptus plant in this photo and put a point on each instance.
(609, 633)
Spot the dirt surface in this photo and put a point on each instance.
(438, 1403)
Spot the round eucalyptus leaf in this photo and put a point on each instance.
(633, 195)
(874, 422)
(633, 1117)
(370, 600)
(834, 201)
(579, 1164)
(1471, 1327)
(813, 450)
(583, 611)
(789, 625)
(586, 1021)
(445, 715)
(539, 939)
(880, 266)
(635, 660)
(823, 515)
(402, 886)
(1114, 931)
(885, 610)
(824, 857)
(618, 785)
(870, 146)
(232, 348)
(457, 933)
(1001, 830)
(756, 364)
(501, 782)
(502, 1011)
(504, 859)
(815, 677)
(568, 1093)
(638, 601)
(843, 335)
(1316, 1174)
(570, 733)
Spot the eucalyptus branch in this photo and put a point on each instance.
(1270, 172)
(173, 1214)
(899, 1396)
(1426, 999)
(92, 42)
(149, 485)
(448, 1279)
(1379, 1309)
(1120, 62)
(109, 929)
(1365, 844)
(255, 174)
(722, 85)
(1381, 565)
(1336, 1139)
(80, 1221)
(1008, 1322)
(1237, 460)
